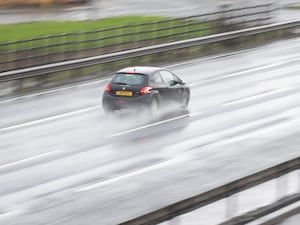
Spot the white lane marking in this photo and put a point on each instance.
(208, 58)
(47, 119)
(256, 96)
(196, 113)
(56, 90)
(242, 72)
(78, 112)
(232, 53)
(168, 66)
(277, 126)
(44, 155)
(67, 183)
(225, 136)
(288, 61)
(256, 69)
(268, 66)
(131, 174)
(34, 122)
(147, 126)
(10, 214)
(114, 135)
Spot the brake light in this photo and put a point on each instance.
(145, 90)
(107, 88)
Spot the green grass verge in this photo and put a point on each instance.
(146, 29)
(21, 31)
(296, 7)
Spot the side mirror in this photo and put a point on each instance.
(173, 82)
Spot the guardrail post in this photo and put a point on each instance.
(46, 50)
(15, 61)
(29, 54)
(223, 9)
(174, 221)
(298, 181)
(132, 54)
(281, 186)
(231, 206)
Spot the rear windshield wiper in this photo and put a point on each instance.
(121, 83)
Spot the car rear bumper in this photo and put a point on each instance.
(113, 103)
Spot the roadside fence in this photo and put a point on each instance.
(185, 211)
(62, 47)
(61, 73)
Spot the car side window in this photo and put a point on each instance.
(155, 79)
(167, 76)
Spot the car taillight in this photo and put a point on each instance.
(145, 90)
(107, 88)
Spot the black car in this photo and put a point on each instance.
(144, 88)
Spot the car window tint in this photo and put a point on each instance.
(155, 79)
(167, 76)
(130, 79)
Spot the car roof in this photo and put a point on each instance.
(140, 69)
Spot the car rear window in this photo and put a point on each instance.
(129, 79)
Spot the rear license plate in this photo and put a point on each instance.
(124, 93)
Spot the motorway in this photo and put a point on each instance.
(62, 161)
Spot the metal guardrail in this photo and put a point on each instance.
(179, 208)
(90, 61)
(55, 48)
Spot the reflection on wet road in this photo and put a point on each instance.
(62, 161)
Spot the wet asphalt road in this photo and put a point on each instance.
(62, 161)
